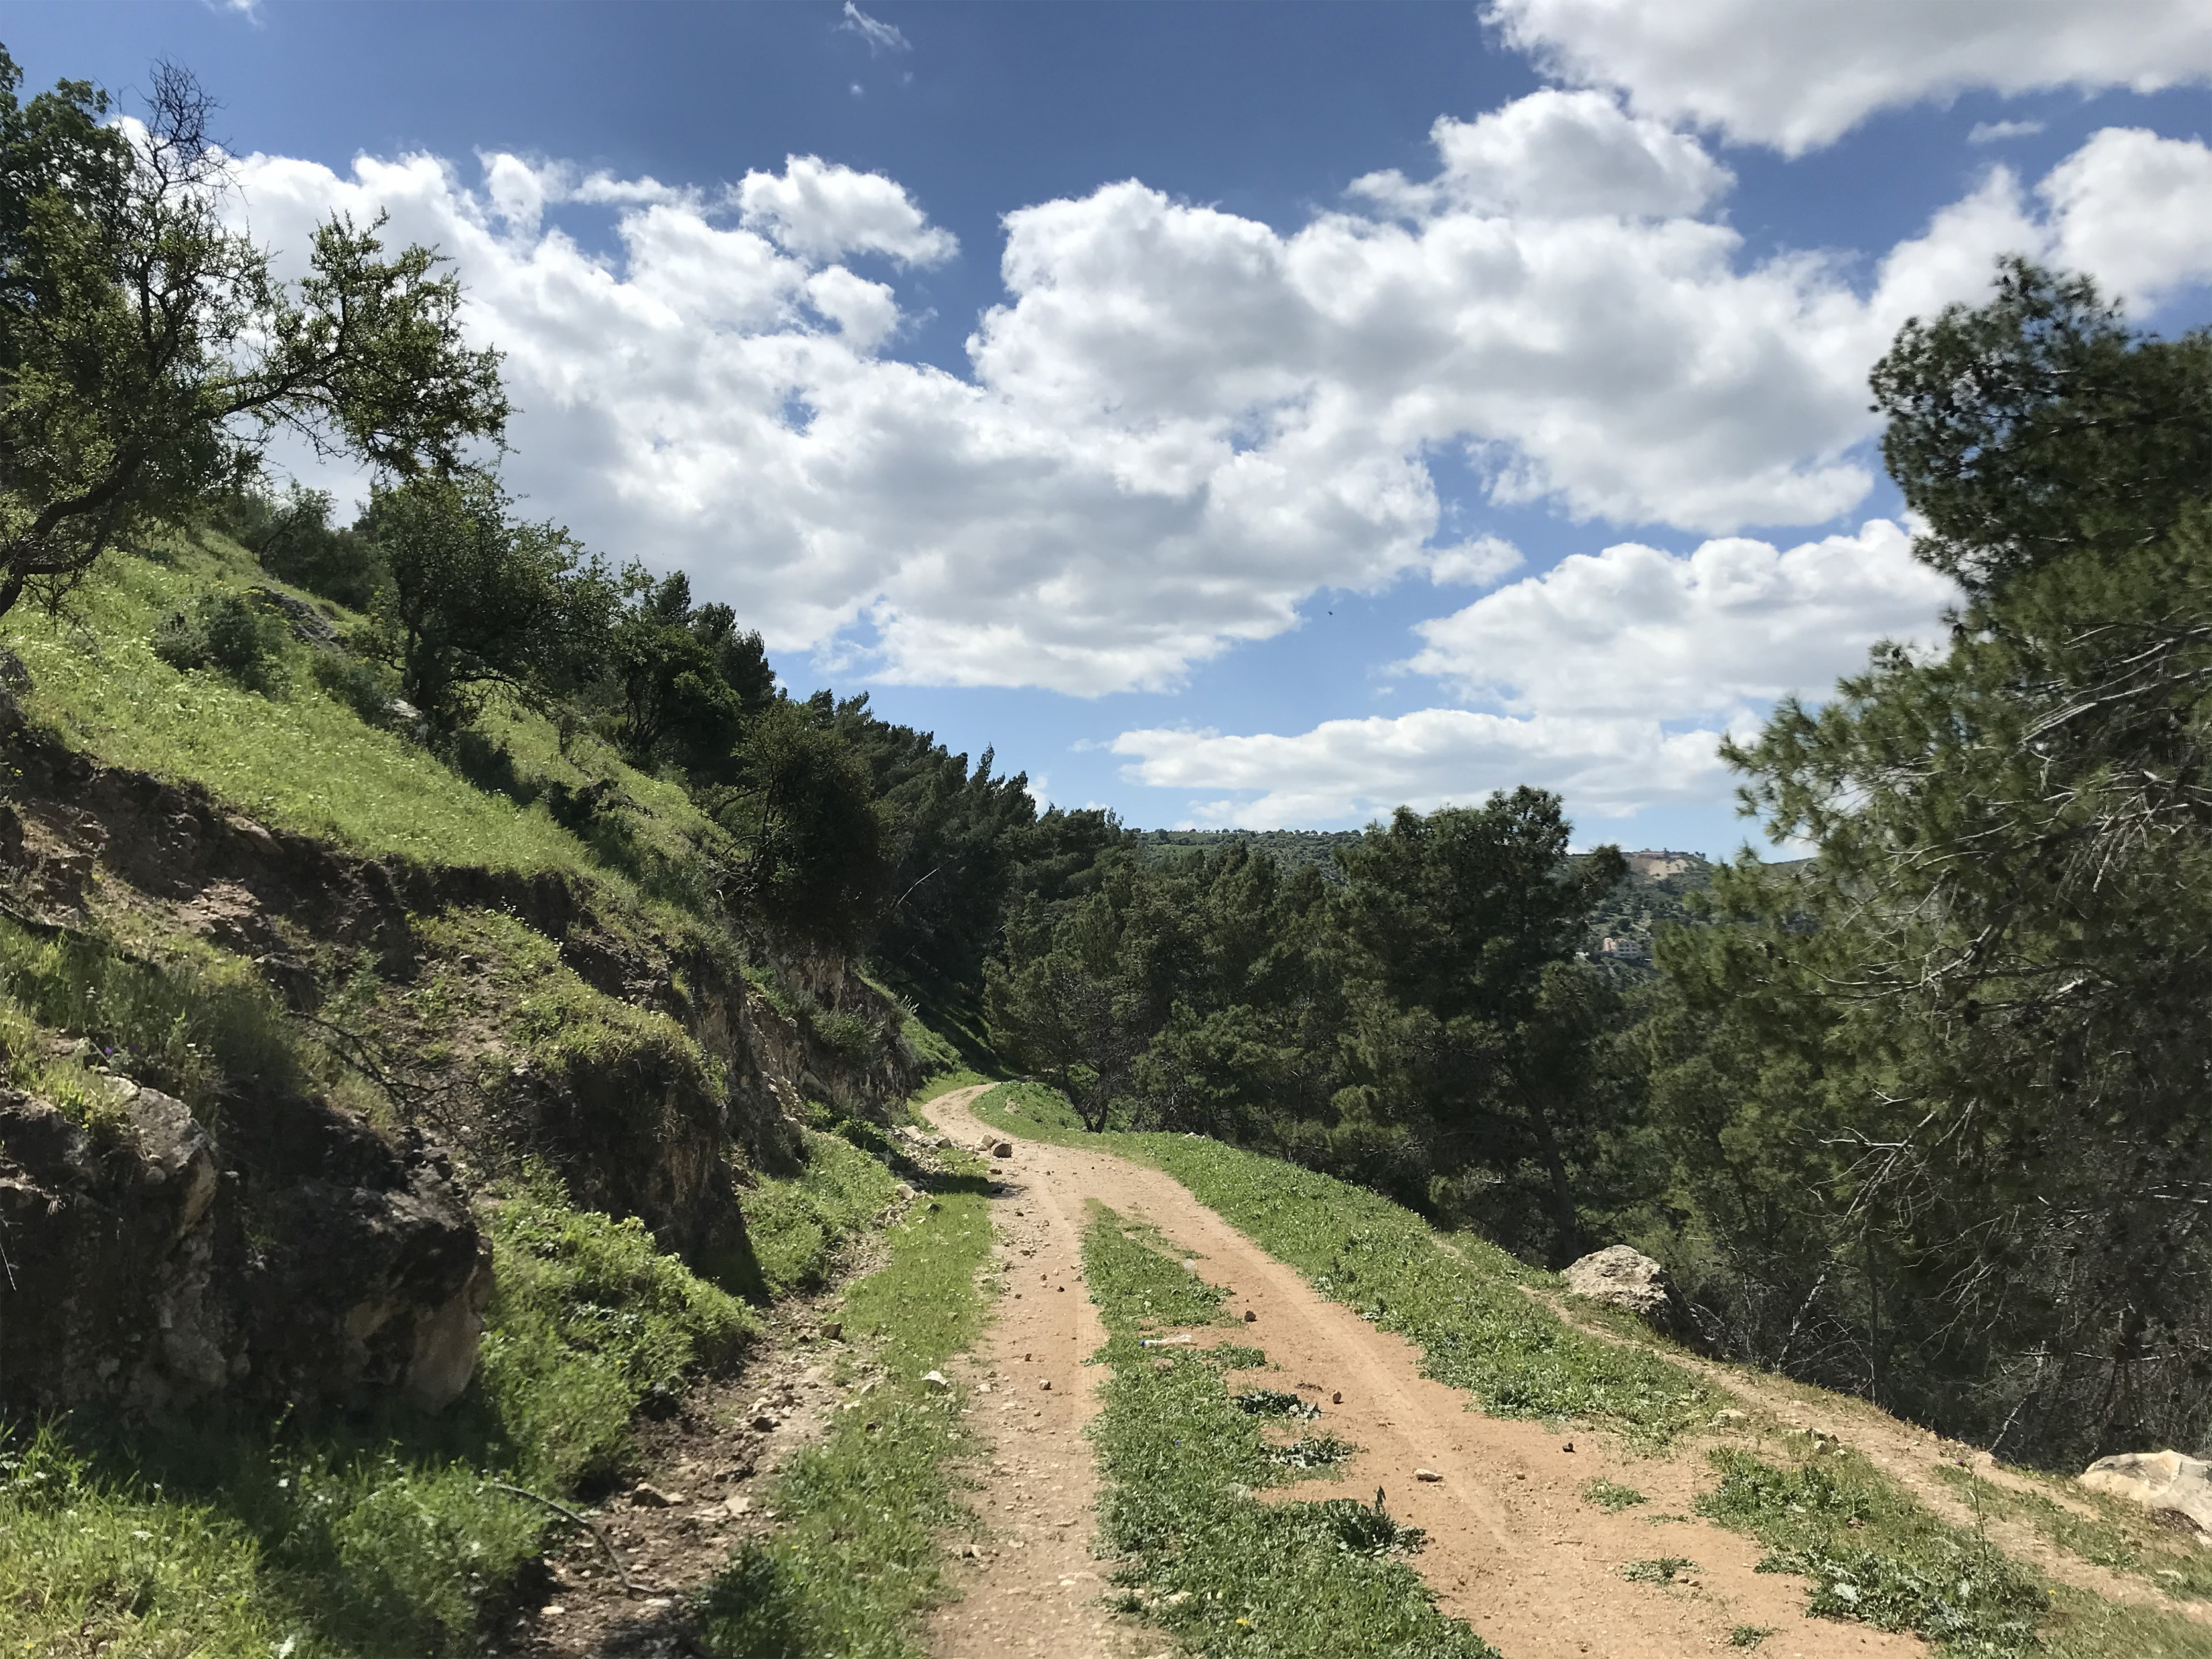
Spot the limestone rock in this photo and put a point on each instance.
(303, 1258)
(445, 1357)
(2157, 1480)
(1624, 1277)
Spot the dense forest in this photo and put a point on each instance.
(1920, 1116)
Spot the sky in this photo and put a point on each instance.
(1240, 414)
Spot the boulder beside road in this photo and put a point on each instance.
(1621, 1277)
(2164, 1481)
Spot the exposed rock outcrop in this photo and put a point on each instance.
(1624, 1278)
(148, 1268)
(2164, 1481)
(279, 1248)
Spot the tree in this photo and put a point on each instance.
(478, 599)
(1468, 1022)
(817, 863)
(685, 677)
(292, 536)
(148, 352)
(2038, 425)
(1084, 993)
(1939, 1095)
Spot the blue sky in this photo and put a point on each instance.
(1191, 485)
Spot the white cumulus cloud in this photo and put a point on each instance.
(1179, 424)
(1612, 676)
(1434, 757)
(1736, 623)
(825, 211)
(2135, 209)
(1559, 155)
(1474, 564)
(1799, 73)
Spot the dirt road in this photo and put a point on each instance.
(1513, 1549)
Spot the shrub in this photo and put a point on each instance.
(221, 631)
(364, 687)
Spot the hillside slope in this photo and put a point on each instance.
(387, 1138)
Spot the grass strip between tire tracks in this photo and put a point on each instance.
(1871, 1552)
(1224, 1573)
(1467, 1310)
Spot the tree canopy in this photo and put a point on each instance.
(1938, 1096)
(148, 352)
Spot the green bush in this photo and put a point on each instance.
(367, 688)
(222, 631)
(851, 1038)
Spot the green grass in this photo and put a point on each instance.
(858, 1552)
(943, 1083)
(1611, 1496)
(588, 1321)
(489, 965)
(186, 1024)
(1874, 1555)
(1467, 1310)
(940, 1061)
(1180, 1461)
(382, 1539)
(798, 1224)
(300, 759)
(297, 756)
(1038, 1112)
(1659, 1570)
(2118, 1536)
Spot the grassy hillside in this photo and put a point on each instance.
(300, 756)
(384, 1534)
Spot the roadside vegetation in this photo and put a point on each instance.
(2103, 1530)
(858, 1552)
(1872, 1554)
(1869, 1551)
(799, 1224)
(390, 1538)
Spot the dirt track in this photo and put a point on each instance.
(1513, 1549)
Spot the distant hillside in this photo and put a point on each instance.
(1655, 890)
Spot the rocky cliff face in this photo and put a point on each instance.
(150, 1265)
(272, 1245)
